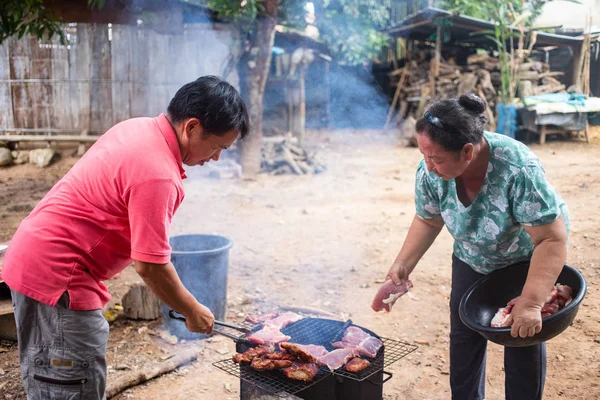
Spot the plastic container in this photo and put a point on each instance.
(202, 263)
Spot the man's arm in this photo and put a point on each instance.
(164, 282)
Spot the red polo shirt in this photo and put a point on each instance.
(114, 205)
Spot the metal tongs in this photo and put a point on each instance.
(175, 315)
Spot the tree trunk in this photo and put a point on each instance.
(256, 65)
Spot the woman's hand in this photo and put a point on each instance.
(525, 318)
(397, 273)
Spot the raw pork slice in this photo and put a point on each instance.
(336, 358)
(260, 319)
(306, 352)
(388, 293)
(353, 336)
(361, 341)
(558, 298)
(501, 317)
(283, 320)
(268, 334)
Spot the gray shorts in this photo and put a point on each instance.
(61, 351)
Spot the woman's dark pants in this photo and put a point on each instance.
(525, 366)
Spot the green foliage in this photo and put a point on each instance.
(513, 19)
(240, 11)
(350, 28)
(96, 4)
(21, 17)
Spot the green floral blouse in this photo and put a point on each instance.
(489, 234)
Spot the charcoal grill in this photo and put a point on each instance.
(327, 385)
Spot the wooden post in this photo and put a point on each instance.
(328, 94)
(438, 51)
(302, 118)
(396, 96)
(543, 134)
(81, 146)
(577, 61)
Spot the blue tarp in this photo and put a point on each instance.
(507, 119)
(574, 99)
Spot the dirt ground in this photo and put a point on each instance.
(323, 241)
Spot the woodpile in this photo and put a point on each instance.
(415, 86)
(283, 155)
(536, 78)
(418, 88)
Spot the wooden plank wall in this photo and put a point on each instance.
(106, 74)
(7, 118)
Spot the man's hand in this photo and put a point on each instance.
(164, 282)
(525, 318)
(397, 273)
(201, 320)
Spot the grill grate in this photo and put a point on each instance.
(391, 352)
(321, 332)
(270, 381)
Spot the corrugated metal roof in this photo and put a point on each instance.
(423, 25)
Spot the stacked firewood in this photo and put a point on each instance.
(283, 155)
(535, 78)
(481, 75)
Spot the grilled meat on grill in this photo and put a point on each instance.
(307, 352)
(268, 334)
(357, 365)
(264, 364)
(278, 356)
(301, 371)
(247, 356)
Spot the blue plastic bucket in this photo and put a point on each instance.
(202, 263)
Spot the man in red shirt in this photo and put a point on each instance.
(114, 206)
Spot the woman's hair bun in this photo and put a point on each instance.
(472, 103)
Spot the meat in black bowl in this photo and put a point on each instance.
(481, 302)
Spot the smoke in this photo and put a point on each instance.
(356, 99)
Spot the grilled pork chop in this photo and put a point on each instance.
(301, 371)
(264, 364)
(356, 365)
(249, 355)
(278, 356)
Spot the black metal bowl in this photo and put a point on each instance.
(481, 302)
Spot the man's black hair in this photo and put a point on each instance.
(215, 103)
